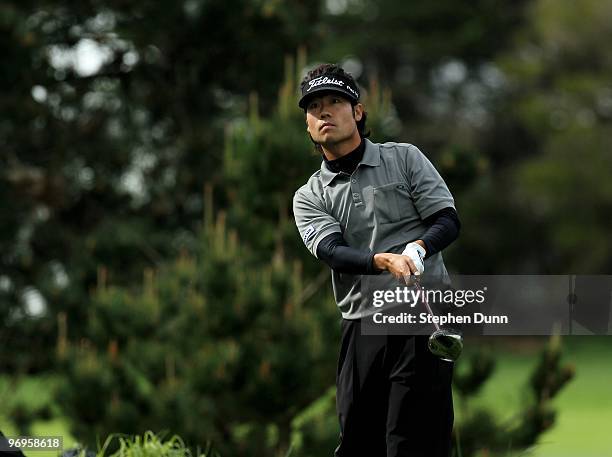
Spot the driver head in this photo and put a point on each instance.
(446, 344)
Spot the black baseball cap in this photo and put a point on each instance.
(329, 83)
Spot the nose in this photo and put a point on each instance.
(325, 110)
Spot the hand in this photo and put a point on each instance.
(416, 252)
(400, 266)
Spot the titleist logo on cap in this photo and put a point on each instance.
(324, 80)
(332, 83)
(353, 91)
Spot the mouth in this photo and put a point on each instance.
(326, 125)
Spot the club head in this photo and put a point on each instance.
(446, 344)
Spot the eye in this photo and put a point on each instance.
(312, 105)
(335, 100)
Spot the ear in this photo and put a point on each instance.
(358, 111)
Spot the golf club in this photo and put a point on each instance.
(446, 344)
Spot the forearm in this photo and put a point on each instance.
(443, 229)
(340, 257)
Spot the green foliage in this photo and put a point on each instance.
(101, 178)
(479, 429)
(105, 167)
(26, 400)
(148, 444)
(559, 76)
(230, 341)
(469, 383)
(214, 343)
(315, 429)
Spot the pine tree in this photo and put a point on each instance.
(480, 430)
(233, 340)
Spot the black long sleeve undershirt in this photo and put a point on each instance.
(335, 252)
(443, 229)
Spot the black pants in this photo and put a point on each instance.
(393, 396)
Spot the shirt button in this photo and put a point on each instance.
(353, 181)
(356, 195)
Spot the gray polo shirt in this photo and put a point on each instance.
(380, 208)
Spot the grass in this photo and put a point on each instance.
(583, 426)
(584, 422)
(584, 407)
(147, 445)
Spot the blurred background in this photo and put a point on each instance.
(151, 276)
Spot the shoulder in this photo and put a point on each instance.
(391, 147)
(402, 154)
(311, 189)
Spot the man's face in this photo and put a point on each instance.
(331, 119)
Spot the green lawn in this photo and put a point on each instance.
(584, 406)
(34, 391)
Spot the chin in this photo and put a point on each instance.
(328, 139)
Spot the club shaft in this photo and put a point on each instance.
(427, 304)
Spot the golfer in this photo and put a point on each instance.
(371, 209)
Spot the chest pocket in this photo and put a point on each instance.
(391, 202)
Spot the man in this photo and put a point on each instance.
(372, 209)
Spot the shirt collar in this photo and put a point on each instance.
(371, 157)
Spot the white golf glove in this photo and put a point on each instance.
(416, 253)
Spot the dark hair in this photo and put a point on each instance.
(333, 69)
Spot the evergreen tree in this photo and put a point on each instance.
(216, 346)
(236, 338)
(480, 430)
(112, 119)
